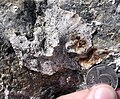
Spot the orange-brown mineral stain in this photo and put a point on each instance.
(78, 43)
(87, 55)
(93, 56)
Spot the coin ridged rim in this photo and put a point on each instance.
(87, 75)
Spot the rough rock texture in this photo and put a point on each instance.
(46, 46)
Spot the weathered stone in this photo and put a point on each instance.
(58, 41)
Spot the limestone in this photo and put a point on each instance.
(48, 45)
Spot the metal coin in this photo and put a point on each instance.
(102, 74)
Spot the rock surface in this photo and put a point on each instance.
(46, 46)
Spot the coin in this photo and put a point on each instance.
(101, 74)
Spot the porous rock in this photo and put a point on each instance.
(46, 46)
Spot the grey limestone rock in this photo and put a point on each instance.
(48, 45)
